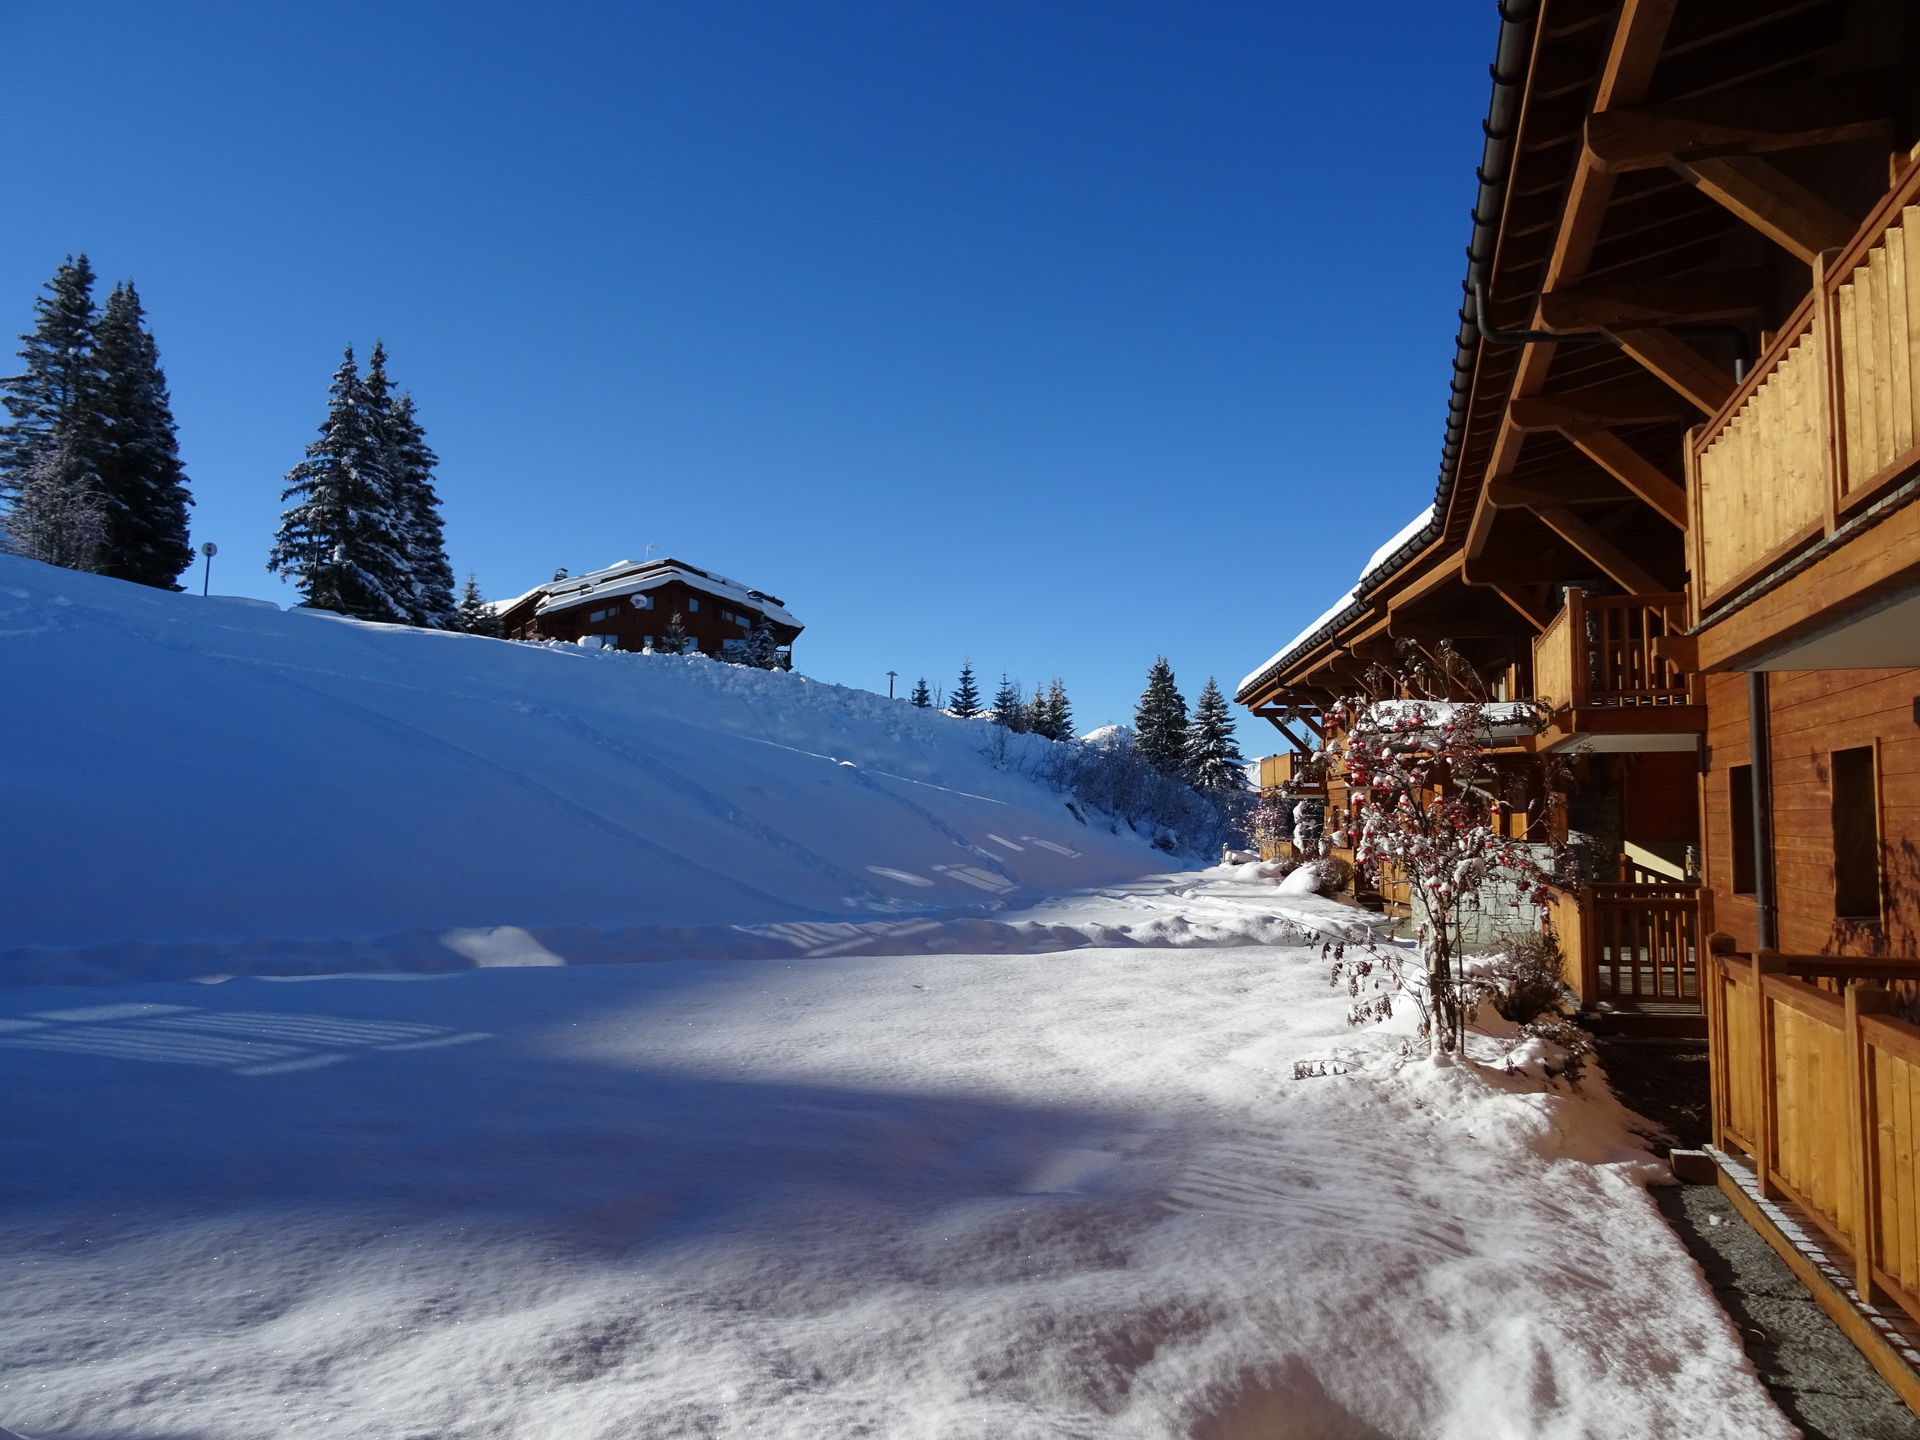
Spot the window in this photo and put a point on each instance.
(693, 604)
(602, 614)
(1740, 796)
(1856, 836)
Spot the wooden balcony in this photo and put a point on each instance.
(1601, 668)
(1825, 428)
(1820, 1088)
(1632, 946)
(1295, 776)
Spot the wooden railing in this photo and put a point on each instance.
(1631, 944)
(1601, 650)
(1828, 418)
(1822, 1091)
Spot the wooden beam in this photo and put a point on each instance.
(1597, 406)
(1671, 360)
(1780, 208)
(1619, 567)
(1570, 489)
(1709, 295)
(1536, 615)
(1409, 628)
(1750, 120)
(1633, 470)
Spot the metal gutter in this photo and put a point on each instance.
(1509, 72)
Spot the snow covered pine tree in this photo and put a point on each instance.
(1214, 761)
(56, 395)
(763, 646)
(340, 539)
(408, 464)
(1009, 709)
(676, 641)
(922, 697)
(143, 486)
(1160, 722)
(965, 701)
(473, 615)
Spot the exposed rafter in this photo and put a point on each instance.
(1779, 207)
(1745, 121)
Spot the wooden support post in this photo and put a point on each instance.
(1620, 568)
(1862, 1000)
(1765, 963)
(1580, 681)
(1782, 209)
(1677, 364)
(1633, 470)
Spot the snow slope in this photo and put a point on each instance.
(943, 1197)
(200, 786)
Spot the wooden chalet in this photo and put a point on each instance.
(633, 606)
(1676, 507)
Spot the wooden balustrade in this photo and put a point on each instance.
(1827, 419)
(1631, 944)
(1822, 1090)
(1601, 650)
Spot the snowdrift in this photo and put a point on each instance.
(199, 785)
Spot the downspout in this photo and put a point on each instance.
(1760, 744)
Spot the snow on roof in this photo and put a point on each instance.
(1273, 660)
(1376, 563)
(633, 577)
(1380, 557)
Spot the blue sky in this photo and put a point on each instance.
(1053, 333)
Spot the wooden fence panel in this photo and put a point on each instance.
(1739, 1035)
(1812, 1149)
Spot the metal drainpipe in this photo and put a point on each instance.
(1760, 764)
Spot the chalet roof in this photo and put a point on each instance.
(1389, 557)
(635, 577)
(1552, 220)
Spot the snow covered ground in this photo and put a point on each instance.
(918, 1108)
(944, 1195)
(215, 786)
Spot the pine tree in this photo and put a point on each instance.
(143, 486)
(922, 697)
(407, 463)
(1160, 722)
(54, 399)
(1053, 715)
(57, 515)
(965, 701)
(473, 615)
(418, 505)
(1214, 761)
(1008, 707)
(340, 539)
(676, 641)
(763, 646)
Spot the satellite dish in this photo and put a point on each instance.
(209, 548)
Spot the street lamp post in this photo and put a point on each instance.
(208, 549)
(890, 675)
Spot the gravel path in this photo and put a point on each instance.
(1815, 1375)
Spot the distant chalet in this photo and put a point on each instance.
(630, 606)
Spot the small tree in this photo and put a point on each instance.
(1008, 707)
(1050, 713)
(474, 615)
(1160, 722)
(1214, 761)
(922, 697)
(763, 646)
(676, 641)
(1428, 804)
(964, 703)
